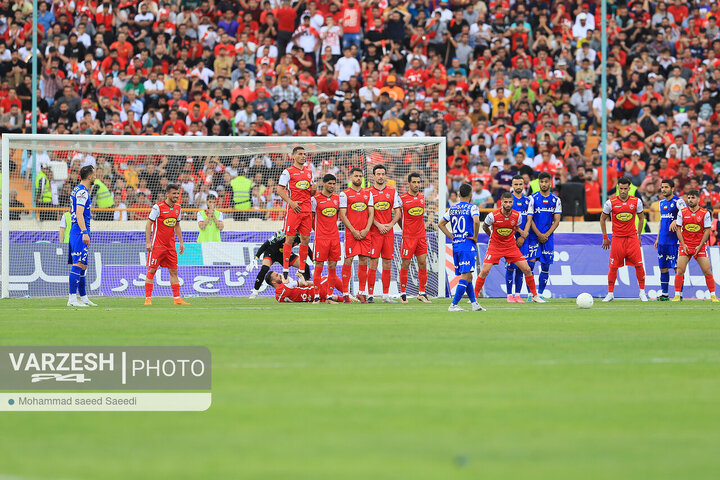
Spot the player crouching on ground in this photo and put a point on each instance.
(302, 291)
(464, 218)
(694, 224)
(505, 223)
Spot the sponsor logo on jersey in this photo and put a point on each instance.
(358, 206)
(382, 205)
(302, 185)
(329, 211)
(693, 227)
(416, 211)
(624, 216)
(505, 232)
(170, 222)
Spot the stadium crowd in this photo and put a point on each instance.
(514, 86)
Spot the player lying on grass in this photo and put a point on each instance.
(271, 252)
(464, 219)
(504, 223)
(302, 291)
(694, 224)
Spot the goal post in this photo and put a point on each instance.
(132, 171)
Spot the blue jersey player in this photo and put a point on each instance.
(464, 219)
(521, 203)
(79, 240)
(544, 214)
(667, 240)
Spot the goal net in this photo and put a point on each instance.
(40, 171)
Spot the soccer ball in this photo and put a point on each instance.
(584, 300)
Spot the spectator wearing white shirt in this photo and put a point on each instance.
(202, 72)
(347, 66)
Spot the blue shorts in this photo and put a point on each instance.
(78, 251)
(464, 261)
(530, 249)
(667, 256)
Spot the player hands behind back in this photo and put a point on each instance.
(356, 212)
(530, 252)
(544, 212)
(325, 207)
(623, 208)
(164, 223)
(300, 290)
(694, 224)
(504, 223)
(272, 252)
(667, 240)
(296, 189)
(414, 238)
(464, 219)
(79, 240)
(387, 206)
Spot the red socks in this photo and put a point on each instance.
(346, 272)
(403, 279)
(422, 280)
(612, 277)
(317, 275)
(175, 289)
(386, 281)
(149, 285)
(530, 282)
(710, 282)
(362, 277)
(372, 274)
(481, 281)
(640, 274)
(334, 280)
(287, 252)
(679, 280)
(302, 255)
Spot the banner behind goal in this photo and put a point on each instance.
(40, 171)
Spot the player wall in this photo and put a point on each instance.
(580, 265)
(117, 265)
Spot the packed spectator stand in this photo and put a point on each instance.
(515, 88)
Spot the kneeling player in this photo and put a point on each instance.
(271, 252)
(695, 223)
(505, 223)
(302, 291)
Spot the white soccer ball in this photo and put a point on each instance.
(584, 300)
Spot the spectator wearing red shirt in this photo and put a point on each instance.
(665, 171)
(286, 16)
(123, 47)
(179, 126)
(627, 106)
(592, 196)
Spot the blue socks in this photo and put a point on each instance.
(81, 284)
(544, 276)
(509, 280)
(664, 281)
(75, 274)
(464, 287)
(518, 281)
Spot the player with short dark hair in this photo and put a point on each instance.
(295, 187)
(622, 210)
(666, 242)
(388, 211)
(325, 207)
(79, 240)
(528, 249)
(694, 230)
(356, 213)
(288, 290)
(501, 225)
(271, 253)
(464, 219)
(543, 215)
(414, 237)
(162, 226)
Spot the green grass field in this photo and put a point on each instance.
(623, 391)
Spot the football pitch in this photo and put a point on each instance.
(625, 391)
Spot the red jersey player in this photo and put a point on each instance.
(296, 189)
(388, 210)
(501, 226)
(300, 290)
(625, 250)
(162, 226)
(356, 212)
(694, 228)
(414, 238)
(325, 207)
